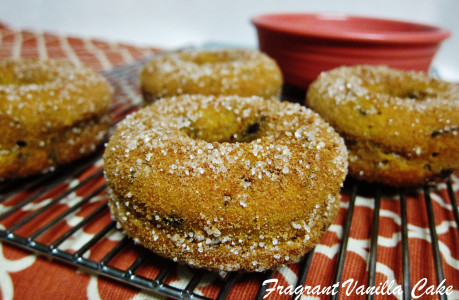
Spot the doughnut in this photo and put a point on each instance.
(400, 127)
(51, 112)
(211, 72)
(225, 182)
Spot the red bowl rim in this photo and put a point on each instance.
(424, 34)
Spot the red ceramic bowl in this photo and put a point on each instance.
(306, 44)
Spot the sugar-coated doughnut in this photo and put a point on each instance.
(240, 72)
(51, 112)
(225, 183)
(400, 127)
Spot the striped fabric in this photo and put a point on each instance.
(100, 55)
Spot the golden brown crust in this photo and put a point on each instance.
(52, 112)
(211, 72)
(225, 183)
(401, 128)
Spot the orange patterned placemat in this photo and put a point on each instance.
(100, 55)
(25, 276)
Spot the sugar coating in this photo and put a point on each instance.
(241, 72)
(51, 112)
(50, 93)
(401, 128)
(219, 181)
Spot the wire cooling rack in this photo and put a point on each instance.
(47, 213)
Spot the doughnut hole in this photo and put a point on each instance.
(14, 75)
(394, 87)
(409, 92)
(222, 125)
(210, 57)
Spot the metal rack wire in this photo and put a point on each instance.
(35, 229)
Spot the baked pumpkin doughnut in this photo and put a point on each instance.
(225, 183)
(211, 72)
(400, 127)
(51, 112)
